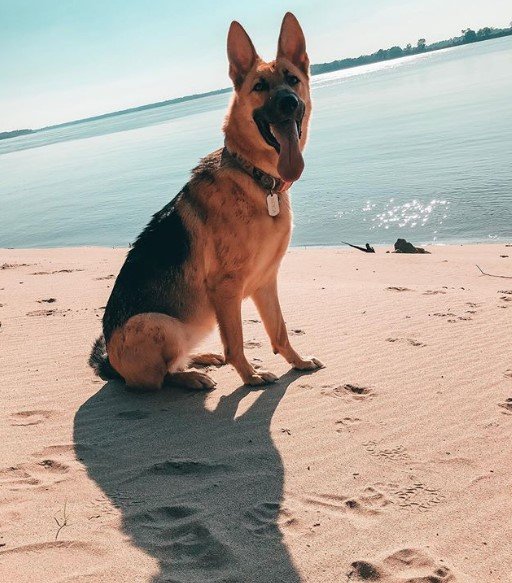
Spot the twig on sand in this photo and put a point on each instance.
(492, 275)
(61, 523)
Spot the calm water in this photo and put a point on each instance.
(418, 148)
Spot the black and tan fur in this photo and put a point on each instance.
(211, 247)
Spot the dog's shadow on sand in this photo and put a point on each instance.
(199, 490)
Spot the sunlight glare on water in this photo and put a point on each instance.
(409, 214)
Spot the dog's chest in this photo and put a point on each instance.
(265, 241)
(247, 242)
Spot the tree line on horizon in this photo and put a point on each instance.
(468, 36)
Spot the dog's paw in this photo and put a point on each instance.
(262, 377)
(191, 379)
(203, 382)
(311, 363)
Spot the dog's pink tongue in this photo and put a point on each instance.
(291, 162)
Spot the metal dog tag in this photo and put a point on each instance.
(273, 204)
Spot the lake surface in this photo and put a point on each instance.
(419, 147)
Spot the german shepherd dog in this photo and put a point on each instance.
(221, 239)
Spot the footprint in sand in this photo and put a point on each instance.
(360, 508)
(41, 313)
(52, 450)
(348, 390)
(179, 536)
(370, 502)
(194, 542)
(403, 566)
(297, 332)
(451, 316)
(183, 466)
(347, 424)
(110, 276)
(398, 453)
(165, 514)
(38, 475)
(56, 271)
(414, 497)
(410, 341)
(507, 405)
(433, 292)
(398, 288)
(306, 386)
(24, 418)
(13, 265)
(60, 558)
(268, 519)
(47, 312)
(252, 344)
(53, 466)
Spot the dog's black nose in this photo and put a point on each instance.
(288, 103)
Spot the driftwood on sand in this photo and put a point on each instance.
(492, 275)
(367, 248)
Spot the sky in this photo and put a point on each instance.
(67, 59)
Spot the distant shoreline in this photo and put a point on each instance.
(469, 242)
(381, 55)
(15, 133)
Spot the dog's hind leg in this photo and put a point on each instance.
(152, 348)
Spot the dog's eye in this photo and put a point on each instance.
(260, 86)
(292, 80)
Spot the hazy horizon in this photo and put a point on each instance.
(68, 62)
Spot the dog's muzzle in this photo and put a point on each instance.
(280, 124)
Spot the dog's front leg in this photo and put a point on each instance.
(267, 302)
(227, 302)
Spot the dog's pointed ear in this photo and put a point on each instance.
(292, 44)
(241, 53)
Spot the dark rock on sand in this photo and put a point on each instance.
(403, 246)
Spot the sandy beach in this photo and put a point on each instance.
(392, 464)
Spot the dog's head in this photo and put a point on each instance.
(268, 119)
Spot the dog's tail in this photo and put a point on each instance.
(98, 360)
